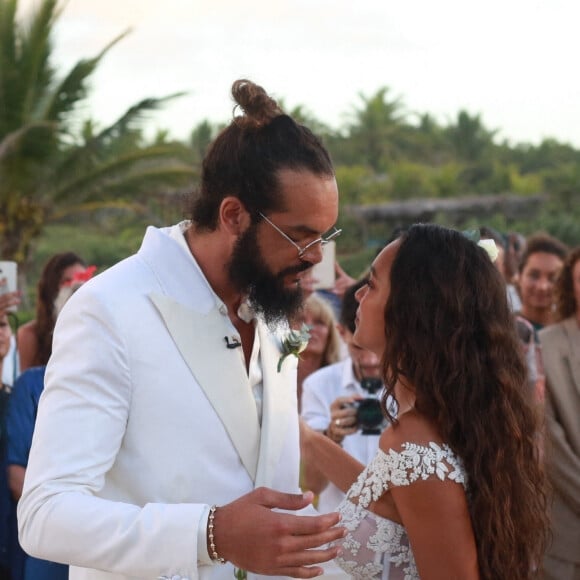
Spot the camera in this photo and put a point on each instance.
(369, 415)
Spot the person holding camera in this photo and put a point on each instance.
(342, 401)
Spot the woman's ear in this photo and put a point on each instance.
(233, 216)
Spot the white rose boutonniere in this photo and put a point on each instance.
(490, 247)
(294, 343)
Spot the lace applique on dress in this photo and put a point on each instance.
(375, 547)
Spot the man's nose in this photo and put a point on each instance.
(313, 254)
(544, 284)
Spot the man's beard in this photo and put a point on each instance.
(265, 290)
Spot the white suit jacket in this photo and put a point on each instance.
(146, 418)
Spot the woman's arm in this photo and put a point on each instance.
(437, 521)
(330, 460)
(27, 345)
(16, 475)
(433, 511)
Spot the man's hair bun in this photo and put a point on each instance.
(258, 107)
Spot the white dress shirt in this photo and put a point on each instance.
(319, 390)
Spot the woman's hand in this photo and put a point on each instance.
(9, 300)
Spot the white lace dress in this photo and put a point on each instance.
(375, 547)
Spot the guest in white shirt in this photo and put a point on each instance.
(329, 400)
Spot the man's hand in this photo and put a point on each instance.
(253, 537)
(342, 281)
(342, 418)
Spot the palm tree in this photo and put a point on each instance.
(470, 138)
(375, 130)
(50, 164)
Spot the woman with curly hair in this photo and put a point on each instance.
(561, 356)
(35, 337)
(456, 490)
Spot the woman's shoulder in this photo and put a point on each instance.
(411, 427)
(27, 330)
(414, 448)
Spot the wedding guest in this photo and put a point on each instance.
(456, 489)
(20, 421)
(502, 264)
(6, 512)
(324, 345)
(561, 356)
(167, 433)
(514, 246)
(538, 270)
(537, 273)
(35, 337)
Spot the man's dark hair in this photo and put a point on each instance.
(349, 305)
(543, 243)
(246, 156)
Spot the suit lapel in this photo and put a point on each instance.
(278, 400)
(219, 371)
(572, 349)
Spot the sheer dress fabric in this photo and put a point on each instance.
(375, 547)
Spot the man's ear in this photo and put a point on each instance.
(233, 216)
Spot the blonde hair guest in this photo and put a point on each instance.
(325, 344)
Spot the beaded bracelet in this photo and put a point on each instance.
(210, 526)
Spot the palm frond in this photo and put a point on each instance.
(95, 206)
(146, 182)
(134, 115)
(66, 95)
(8, 67)
(35, 49)
(32, 131)
(118, 169)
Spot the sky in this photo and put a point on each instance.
(514, 62)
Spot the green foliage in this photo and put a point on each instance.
(352, 181)
(412, 180)
(375, 129)
(56, 167)
(52, 165)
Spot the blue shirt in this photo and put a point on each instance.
(22, 415)
(20, 421)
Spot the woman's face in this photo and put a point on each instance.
(576, 284)
(68, 274)
(537, 280)
(5, 334)
(372, 298)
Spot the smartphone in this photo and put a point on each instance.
(324, 272)
(8, 279)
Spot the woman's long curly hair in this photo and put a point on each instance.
(47, 291)
(450, 333)
(566, 305)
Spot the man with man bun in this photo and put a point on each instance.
(167, 436)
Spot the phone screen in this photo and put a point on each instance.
(323, 272)
(8, 281)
